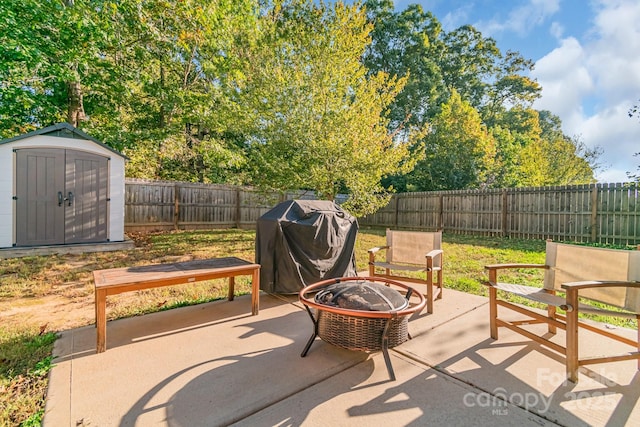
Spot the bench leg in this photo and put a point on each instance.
(255, 292)
(101, 320)
(232, 285)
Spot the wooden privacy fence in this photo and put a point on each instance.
(599, 213)
(166, 205)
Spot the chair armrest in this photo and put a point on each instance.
(376, 249)
(587, 284)
(492, 270)
(372, 257)
(434, 253)
(434, 257)
(571, 289)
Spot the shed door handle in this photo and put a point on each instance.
(60, 198)
(69, 198)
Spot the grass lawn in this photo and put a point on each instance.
(40, 296)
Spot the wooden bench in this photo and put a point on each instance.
(118, 280)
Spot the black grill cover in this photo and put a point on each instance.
(300, 242)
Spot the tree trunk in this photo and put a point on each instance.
(75, 107)
(75, 113)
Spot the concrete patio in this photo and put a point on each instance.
(216, 365)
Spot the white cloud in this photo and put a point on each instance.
(602, 73)
(615, 52)
(522, 19)
(456, 18)
(565, 81)
(556, 30)
(612, 130)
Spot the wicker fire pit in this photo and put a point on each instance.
(361, 313)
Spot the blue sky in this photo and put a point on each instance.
(587, 60)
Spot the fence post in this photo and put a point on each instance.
(441, 212)
(238, 214)
(505, 229)
(176, 205)
(594, 212)
(395, 219)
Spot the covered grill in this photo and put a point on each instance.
(300, 242)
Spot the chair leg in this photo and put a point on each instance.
(551, 312)
(493, 312)
(572, 336)
(372, 268)
(429, 297)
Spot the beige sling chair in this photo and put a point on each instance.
(411, 251)
(585, 275)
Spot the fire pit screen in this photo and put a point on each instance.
(361, 313)
(300, 242)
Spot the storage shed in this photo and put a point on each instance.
(60, 187)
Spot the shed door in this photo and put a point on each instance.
(61, 197)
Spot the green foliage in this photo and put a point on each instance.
(314, 114)
(45, 45)
(533, 151)
(175, 53)
(459, 151)
(405, 44)
(468, 61)
(26, 362)
(555, 162)
(439, 65)
(281, 94)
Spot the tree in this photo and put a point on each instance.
(404, 44)
(556, 162)
(412, 44)
(468, 62)
(509, 88)
(140, 76)
(513, 130)
(172, 54)
(533, 151)
(50, 52)
(314, 116)
(460, 153)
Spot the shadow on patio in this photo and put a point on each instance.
(214, 364)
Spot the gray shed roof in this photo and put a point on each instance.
(64, 130)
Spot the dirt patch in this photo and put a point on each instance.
(62, 312)
(52, 312)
